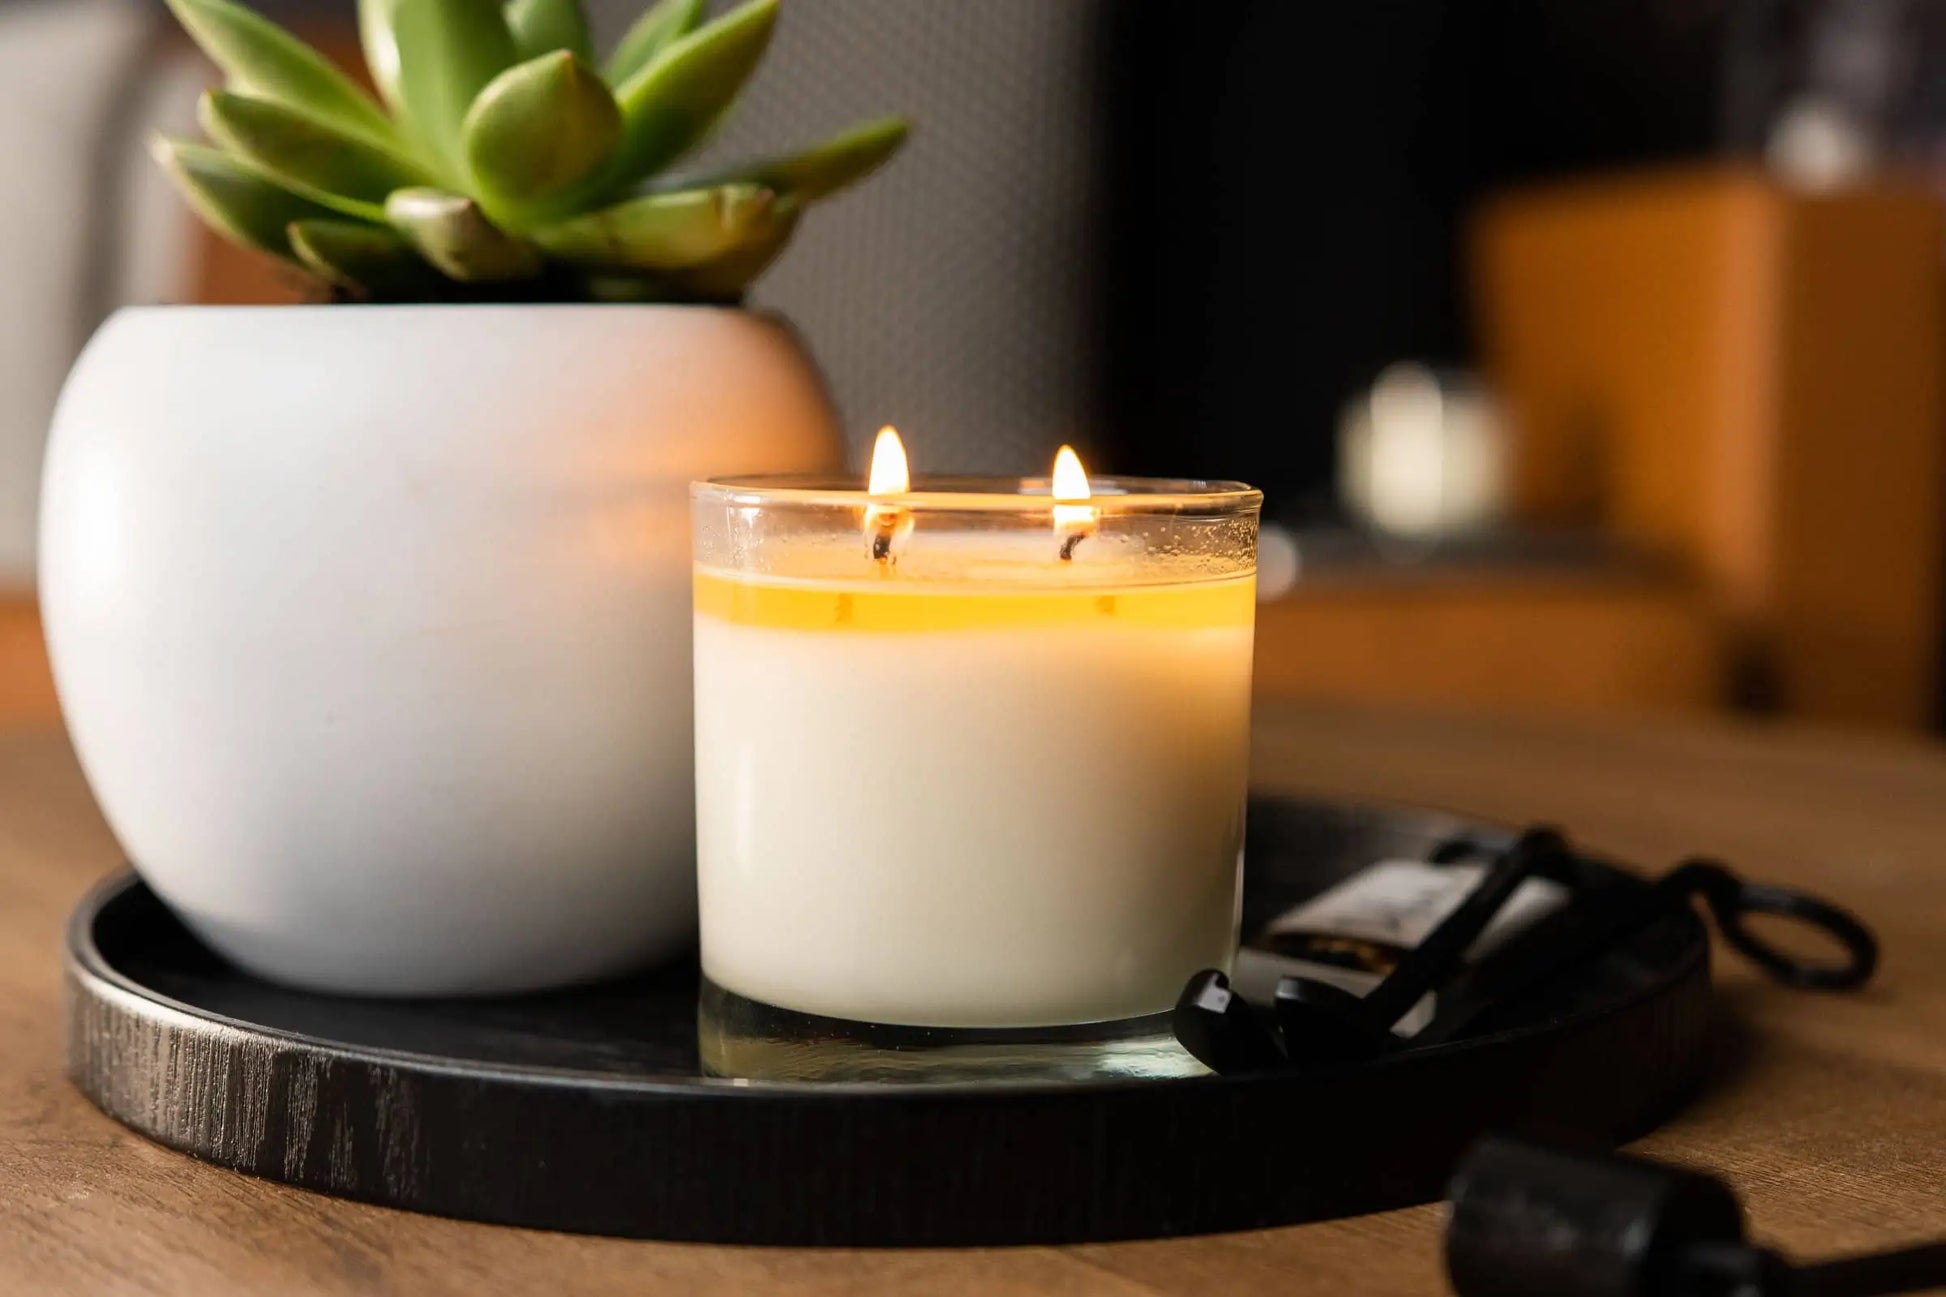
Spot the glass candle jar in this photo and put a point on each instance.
(968, 756)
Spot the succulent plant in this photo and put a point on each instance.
(503, 164)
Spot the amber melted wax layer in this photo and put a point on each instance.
(891, 605)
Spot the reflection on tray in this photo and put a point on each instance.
(740, 1038)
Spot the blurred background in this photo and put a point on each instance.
(1589, 352)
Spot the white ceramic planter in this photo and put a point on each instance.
(371, 624)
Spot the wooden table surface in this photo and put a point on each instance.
(1829, 1114)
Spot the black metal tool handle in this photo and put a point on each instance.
(1220, 1031)
(1610, 916)
(1531, 1220)
(1732, 900)
(1322, 1023)
(1429, 964)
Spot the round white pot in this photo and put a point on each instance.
(371, 624)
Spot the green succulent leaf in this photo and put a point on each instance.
(501, 165)
(660, 26)
(237, 200)
(451, 232)
(543, 26)
(261, 58)
(431, 58)
(366, 261)
(729, 276)
(673, 101)
(537, 132)
(662, 231)
(823, 169)
(324, 164)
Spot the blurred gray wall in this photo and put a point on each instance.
(950, 294)
(86, 220)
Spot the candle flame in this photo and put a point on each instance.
(1069, 489)
(887, 524)
(889, 475)
(1070, 479)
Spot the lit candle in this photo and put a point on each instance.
(887, 524)
(1069, 485)
(971, 755)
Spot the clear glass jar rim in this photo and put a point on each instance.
(973, 494)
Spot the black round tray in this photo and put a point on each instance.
(587, 1110)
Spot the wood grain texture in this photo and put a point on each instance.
(1826, 1113)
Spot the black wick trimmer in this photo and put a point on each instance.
(1319, 1023)
(1530, 1220)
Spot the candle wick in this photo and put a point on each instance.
(886, 526)
(1070, 543)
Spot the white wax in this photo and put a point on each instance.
(1009, 826)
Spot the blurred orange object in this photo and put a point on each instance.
(26, 686)
(1748, 379)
